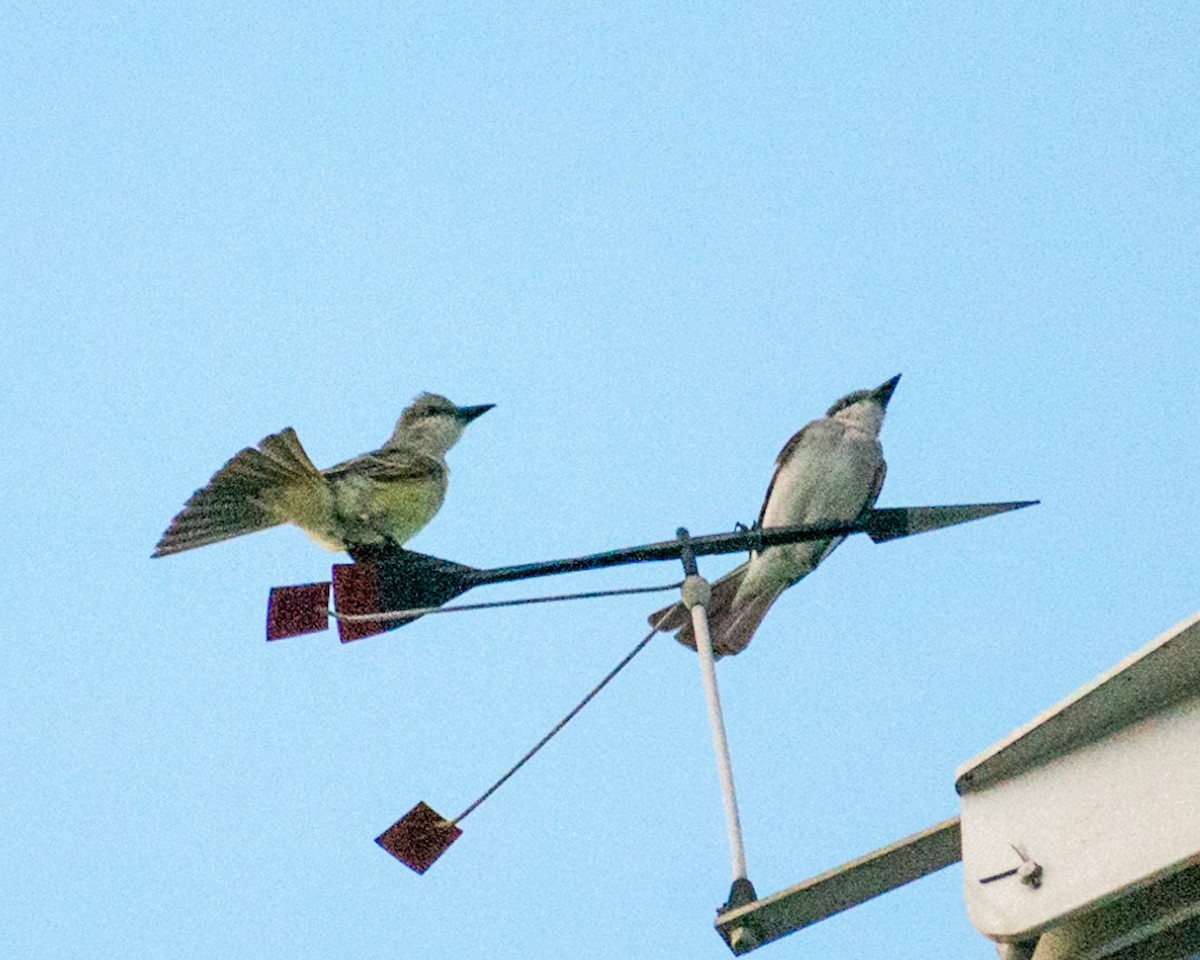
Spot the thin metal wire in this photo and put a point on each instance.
(565, 720)
(388, 615)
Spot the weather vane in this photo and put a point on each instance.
(826, 481)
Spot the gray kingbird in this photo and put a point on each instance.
(379, 498)
(831, 471)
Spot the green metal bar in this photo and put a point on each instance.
(846, 886)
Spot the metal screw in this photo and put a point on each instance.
(1029, 872)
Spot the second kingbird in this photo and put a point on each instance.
(380, 498)
(831, 471)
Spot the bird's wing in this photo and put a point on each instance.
(284, 448)
(784, 454)
(390, 464)
(880, 474)
(255, 490)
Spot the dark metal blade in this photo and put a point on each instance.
(894, 522)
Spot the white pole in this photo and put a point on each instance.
(696, 593)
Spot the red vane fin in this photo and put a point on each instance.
(294, 611)
(356, 591)
(419, 837)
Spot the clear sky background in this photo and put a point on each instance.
(660, 238)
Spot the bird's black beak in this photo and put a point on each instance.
(884, 390)
(467, 414)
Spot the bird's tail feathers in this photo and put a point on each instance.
(233, 501)
(733, 615)
(734, 627)
(670, 618)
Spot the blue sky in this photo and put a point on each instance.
(660, 238)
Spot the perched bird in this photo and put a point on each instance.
(831, 471)
(380, 498)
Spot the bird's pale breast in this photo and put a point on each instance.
(829, 476)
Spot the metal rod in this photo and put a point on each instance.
(883, 523)
(696, 593)
(716, 720)
(669, 550)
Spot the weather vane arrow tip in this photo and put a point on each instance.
(891, 523)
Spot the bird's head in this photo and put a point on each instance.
(865, 408)
(433, 423)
